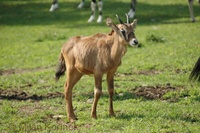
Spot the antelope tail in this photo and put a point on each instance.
(195, 74)
(61, 67)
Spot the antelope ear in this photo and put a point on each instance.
(134, 23)
(109, 22)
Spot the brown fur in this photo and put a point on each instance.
(97, 54)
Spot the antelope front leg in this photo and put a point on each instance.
(69, 107)
(97, 94)
(110, 82)
(73, 76)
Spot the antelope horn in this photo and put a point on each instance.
(127, 18)
(119, 19)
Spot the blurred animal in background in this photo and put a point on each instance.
(54, 6)
(99, 4)
(93, 9)
(190, 4)
(94, 4)
(131, 12)
(100, 7)
(195, 74)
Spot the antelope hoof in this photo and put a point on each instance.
(112, 115)
(72, 120)
(94, 116)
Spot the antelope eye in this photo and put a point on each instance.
(123, 31)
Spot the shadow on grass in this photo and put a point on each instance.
(36, 13)
(117, 97)
(187, 117)
(129, 116)
(125, 96)
(197, 98)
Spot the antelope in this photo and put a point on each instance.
(95, 55)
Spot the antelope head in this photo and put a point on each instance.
(124, 30)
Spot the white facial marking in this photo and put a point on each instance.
(133, 42)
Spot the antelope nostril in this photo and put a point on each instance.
(135, 41)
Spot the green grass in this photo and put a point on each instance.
(31, 39)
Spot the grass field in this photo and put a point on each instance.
(152, 91)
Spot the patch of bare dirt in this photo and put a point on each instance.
(141, 72)
(148, 92)
(148, 72)
(21, 95)
(179, 71)
(154, 92)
